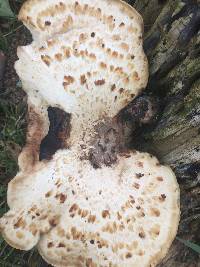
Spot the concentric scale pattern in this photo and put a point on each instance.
(94, 55)
(119, 216)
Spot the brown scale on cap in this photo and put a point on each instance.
(91, 218)
(83, 37)
(19, 235)
(83, 79)
(139, 175)
(142, 234)
(60, 231)
(51, 43)
(68, 80)
(61, 197)
(61, 245)
(46, 59)
(47, 23)
(48, 194)
(136, 185)
(50, 245)
(105, 213)
(154, 212)
(67, 52)
(73, 208)
(103, 65)
(100, 82)
(58, 57)
(54, 221)
(140, 164)
(113, 87)
(162, 198)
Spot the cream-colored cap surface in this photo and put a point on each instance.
(87, 57)
(123, 216)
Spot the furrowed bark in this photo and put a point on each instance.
(172, 44)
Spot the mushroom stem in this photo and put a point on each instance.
(105, 137)
(82, 132)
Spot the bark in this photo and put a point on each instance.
(172, 44)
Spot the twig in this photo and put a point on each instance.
(2, 203)
(2, 66)
(11, 32)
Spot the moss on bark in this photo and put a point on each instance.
(172, 45)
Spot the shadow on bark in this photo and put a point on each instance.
(172, 44)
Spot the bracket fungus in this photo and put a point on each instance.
(87, 59)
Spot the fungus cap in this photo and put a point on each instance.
(125, 215)
(87, 57)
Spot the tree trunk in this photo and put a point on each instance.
(172, 44)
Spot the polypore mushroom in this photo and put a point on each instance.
(87, 59)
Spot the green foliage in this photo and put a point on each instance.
(9, 257)
(3, 206)
(11, 139)
(8, 21)
(5, 10)
(3, 42)
(12, 129)
(189, 244)
(13, 121)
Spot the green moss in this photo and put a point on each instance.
(178, 5)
